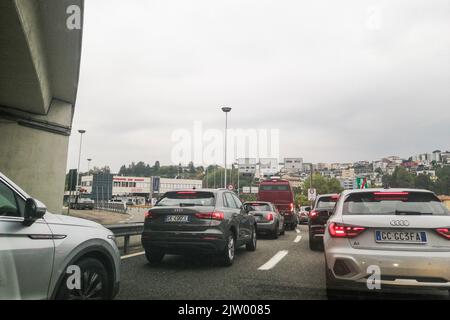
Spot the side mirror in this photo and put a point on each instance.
(34, 210)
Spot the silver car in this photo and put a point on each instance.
(268, 219)
(47, 256)
(387, 238)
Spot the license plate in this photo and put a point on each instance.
(177, 218)
(401, 236)
(257, 218)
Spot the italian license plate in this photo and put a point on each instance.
(177, 218)
(400, 236)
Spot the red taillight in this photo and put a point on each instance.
(186, 192)
(444, 232)
(291, 207)
(344, 231)
(269, 217)
(149, 215)
(216, 215)
(389, 193)
(313, 214)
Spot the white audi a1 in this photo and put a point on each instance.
(387, 238)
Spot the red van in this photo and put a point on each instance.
(279, 192)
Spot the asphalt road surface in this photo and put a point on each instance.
(279, 269)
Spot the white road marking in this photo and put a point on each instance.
(298, 238)
(132, 255)
(274, 260)
(298, 231)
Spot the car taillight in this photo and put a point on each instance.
(444, 232)
(269, 217)
(291, 207)
(216, 215)
(313, 214)
(338, 230)
(149, 215)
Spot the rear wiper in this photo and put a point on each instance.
(411, 213)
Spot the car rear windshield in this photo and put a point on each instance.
(274, 187)
(187, 198)
(258, 207)
(325, 203)
(394, 203)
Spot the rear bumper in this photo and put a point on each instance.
(303, 219)
(317, 230)
(174, 242)
(393, 269)
(266, 227)
(290, 219)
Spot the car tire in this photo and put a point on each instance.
(95, 282)
(275, 232)
(314, 245)
(251, 246)
(331, 291)
(154, 256)
(228, 254)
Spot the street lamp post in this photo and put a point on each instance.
(226, 110)
(79, 155)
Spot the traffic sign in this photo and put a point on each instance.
(230, 187)
(312, 193)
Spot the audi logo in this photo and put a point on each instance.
(399, 223)
(178, 210)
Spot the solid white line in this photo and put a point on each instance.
(132, 255)
(298, 238)
(274, 260)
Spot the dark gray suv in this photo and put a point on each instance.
(211, 221)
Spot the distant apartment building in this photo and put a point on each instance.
(348, 174)
(268, 167)
(293, 165)
(348, 184)
(247, 166)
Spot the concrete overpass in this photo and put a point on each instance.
(39, 69)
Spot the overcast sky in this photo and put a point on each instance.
(341, 80)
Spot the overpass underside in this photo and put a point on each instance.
(40, 49)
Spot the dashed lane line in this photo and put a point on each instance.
(274, 260)
(297, 239)
(132, 255)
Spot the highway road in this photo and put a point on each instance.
(279, 269)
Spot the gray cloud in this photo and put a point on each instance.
(337, 88)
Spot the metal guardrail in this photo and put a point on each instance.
(111, 206)
(126, 230)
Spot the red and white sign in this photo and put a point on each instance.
(230, 187)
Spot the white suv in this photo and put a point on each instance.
(384, 238)
(47, 256)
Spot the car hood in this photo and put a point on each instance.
(51, 218)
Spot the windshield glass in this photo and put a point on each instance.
(258, 207)
(414, 203)
(187, 198)
(325, 203)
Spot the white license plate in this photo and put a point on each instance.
(400, 236)
(177, 218)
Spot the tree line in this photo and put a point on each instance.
(401, 178)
